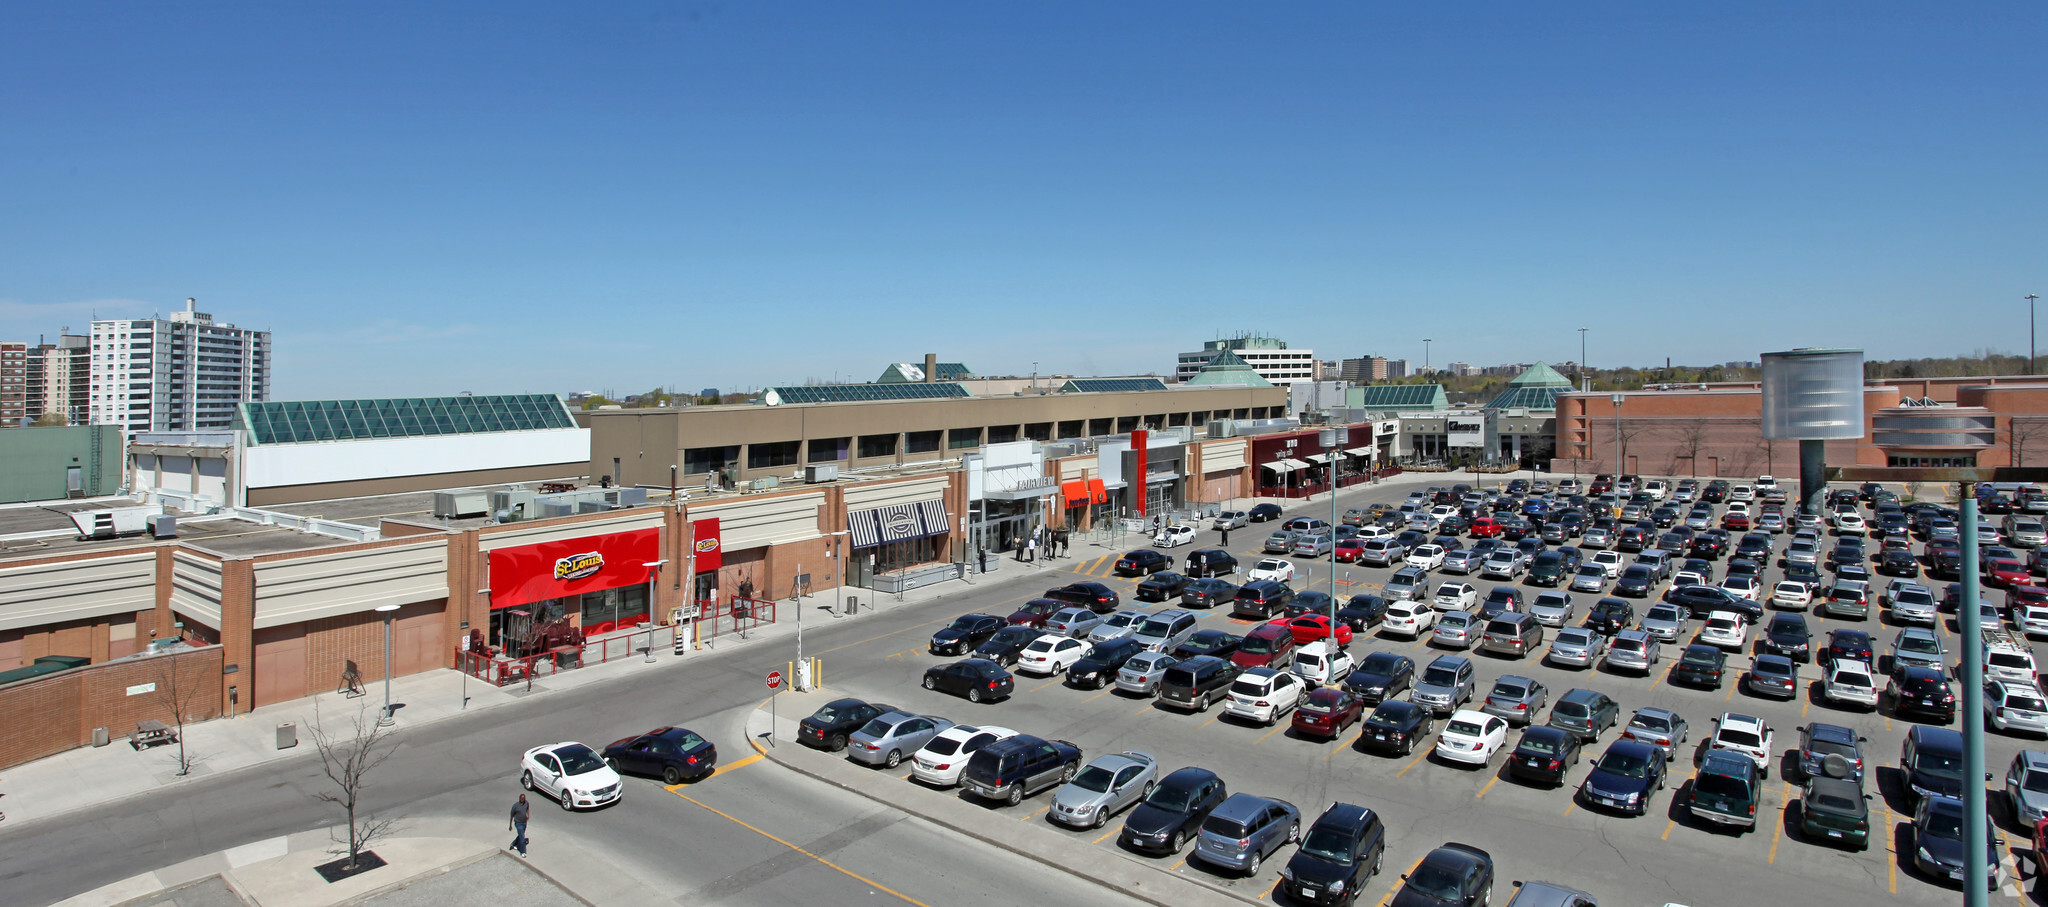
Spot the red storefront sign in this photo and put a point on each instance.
(530, 573)
(1138, 481)
(710, 549)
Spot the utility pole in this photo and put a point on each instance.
(2030, 332)
(1584, 385)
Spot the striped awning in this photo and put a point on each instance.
(897, 522)
(1285, 466)
(1319, 458)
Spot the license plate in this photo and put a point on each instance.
(1833, 833)
(1610, 801)
(1379, 736)
(1956, 874)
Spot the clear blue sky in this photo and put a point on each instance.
(506, 197)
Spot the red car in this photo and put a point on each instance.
(2008, 573)
(1310, 627)
(1735, 522)
(2025, 596)
(1035, 612)
(1327, 712)
(1486, 527)
(1349, 549)
(1266, 646)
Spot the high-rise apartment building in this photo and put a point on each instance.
(1270, 358)
(182, 373)
(13, 383)
(60, 379)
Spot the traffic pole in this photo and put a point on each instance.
(1976, 841)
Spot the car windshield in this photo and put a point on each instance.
(1852, 679)
(1574, 638)
(1462, 728)
(1170, 798)
(966, 623)
(876, 728)
(1095, 778)
(1436, 881)
(1835, 802)
(1662, 613)
(1943, 825)
(1697, 657)
(1718, 785)
(1441, 677)
(827, 715)
(1506, 690)
(1736, 737)
(1653, 723)
(1627, 765)
(1256, 645)
(1539, 745)
(1920, 644)
(1380, 663)
(577, 760)
(1569, 709)
(1327, 844)
(2037, 782)
(943, 746)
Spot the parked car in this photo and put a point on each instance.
(1410, 619)
(1095, 596)
(1787, 635)
(1774, 676)
(1219, 643)
(1446, 684)
(965, 633)
(1263, 695)
(1544, 755)
(1197, 683)
(1268, 645)
(1939, 850)
(1208, 593)
(1576, 647)
(1073, 622)
(1343, 850)
(1049, 655)
(1725, 791)
(1553, 608)
(942, 758)
(1396, 725)
(1922, 692)
(1004, 647)
(1143, 672)
(829, 726)
(1661, 728)
(1100, 664)
(1262, 599)
(1745, 736)
(1819, 741)
(1164, 631)
(1244, 830)
(977, 679)
(1328, 712)
(1118, 625)
(1850, 683)
(1017, 767)
(1262, 512)
(1161, 586)
(1457, 630)
(1700, 665)
(2015, 706)
(674, 754)
(1209, 562)
(1174, 811)
(1626, 777)
(1381, 676)
(1143, 562)
(1454, 874)
(1515, 698)
(1584, 712)
(1108, 785)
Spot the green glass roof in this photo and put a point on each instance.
(1527, 398)
(856, 393)
(1401, 396)
(288, 422)
(1227, 370)
(1540, 375)
(1111, 385)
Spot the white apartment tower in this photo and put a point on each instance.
(182, 373)
(1270, 358)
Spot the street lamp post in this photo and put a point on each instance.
(384, 717)
(1583, 385)
(1975, 823)
(1425, 355)
(2030, 332)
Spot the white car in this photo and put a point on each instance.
(1471, 737)
(1791, 595)
(1849, 682)
(1609, 562)
(1049, 655)
(1741, 493)
(1263, 695)
(1410, 619)
(1656, 489)
(1743, 586)
(1456, 597)
(2011, 705)
(1174, 536)
(1725, 629)
(1272, 568)
(1849, 524)
(574, 774)
(1427, 557)
(1316, 665)
(1116, 626)
(1747, 736)
(940, 761)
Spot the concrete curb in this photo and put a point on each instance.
(1052, 852)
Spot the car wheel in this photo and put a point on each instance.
(611, 763)
(974, 695)
(1252, 868)
(1294, 833)
(1202, 704)
(526, 780)
(568, 802)
(930, 684)
(1379, 861)
(1101, 816)
(895, 758)
(1067, 774)
(1173, 844)
(670, 776)
(837, 743)
(1016, 794)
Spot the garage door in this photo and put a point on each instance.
(418, 637)
(280, 665)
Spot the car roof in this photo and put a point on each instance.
(1940, 739)
(1777, 661)
(1732, 719)
(1652, 711)
(1831, 733)
(2034, 759)
(1241, 806)
(1117, 762)
(1722, 762)
(1579, 694)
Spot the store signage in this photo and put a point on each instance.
(1138, 439)
(901, 523)
(1465, 432)
(710, 553)
(524, 574)
(578, 566)
(142, 688)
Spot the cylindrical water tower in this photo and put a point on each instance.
(1813, 396)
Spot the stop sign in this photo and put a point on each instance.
(774, 679)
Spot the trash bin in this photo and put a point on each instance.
(852, 604)
(99, 736)
(287, 735)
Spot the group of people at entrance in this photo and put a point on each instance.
(1053, 542)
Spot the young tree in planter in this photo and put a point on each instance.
(179, 696)
(348, 762)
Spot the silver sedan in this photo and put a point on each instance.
(1143, 672)
(1109, 785)
(1577, 647)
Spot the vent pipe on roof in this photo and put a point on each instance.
(931, 367)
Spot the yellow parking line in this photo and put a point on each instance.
(1778, 830)
(1668, 826)
(1571, 803)
(1183, 861)
(1212, 718)
(1390, 889)
(1892, 857)
(1105, 836)
(1730, 695)
(734, 766)
(877, 885)
(1057, 679)
(1488, 787)
(1149, 703)
(1107, 689)
(1349, 746)
(1277, 728)
(1412, 763)
(1036, 813)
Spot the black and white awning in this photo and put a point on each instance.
(897, 522)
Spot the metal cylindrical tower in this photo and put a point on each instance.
(1813, 396)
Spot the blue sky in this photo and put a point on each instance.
(508, 197)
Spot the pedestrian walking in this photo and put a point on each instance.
(1065, 542)
(1226, 535)
(981, 555)
(520, 812)
(1033, 549)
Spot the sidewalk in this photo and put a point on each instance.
(1111, 869)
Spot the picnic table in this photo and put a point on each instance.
(150, 732)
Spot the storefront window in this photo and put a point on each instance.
(921, 441)
(772, 454)
(960, 438)
(828, 450)
(698, 460)
(877, 446)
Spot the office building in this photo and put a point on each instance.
(13, 383)
(60, 379)
(182, 373)
(1270, 357)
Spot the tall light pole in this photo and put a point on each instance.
(1583, 386)
(2030, 332)
(1618, 400)
(384, 717)
(653, 570)
(1425, 355)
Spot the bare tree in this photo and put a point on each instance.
(1626, 432)
(1691, 435)
(348, 762)
(177, 695)
(2024, 431)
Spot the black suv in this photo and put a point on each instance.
(1701, 665)
(1342, 851)
(978, 679)
(1916, 690)
(1209, 562)
(1174, 811)
(826, 728)
(1003, 647)
(966, 632)
(1787, 635)
(1017, 767)
(1142, 562)
(1363, 612)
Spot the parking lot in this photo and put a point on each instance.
(1532, 833)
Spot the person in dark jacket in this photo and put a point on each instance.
(520, 812)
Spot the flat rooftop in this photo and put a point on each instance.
(231, 537)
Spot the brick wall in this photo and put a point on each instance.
(58, 713)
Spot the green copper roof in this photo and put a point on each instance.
(1397, 397)
(1227, 370)
(1111, 385)
(1539, 398)
(1540, 375)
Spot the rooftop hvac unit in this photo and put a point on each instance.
(625, 497)
(556, 508)
(1223, 428)
(593, 507)
(512, 505)
(458, 504)
(110, 523)
(828, 472)
(765, 483)
(163, 526)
